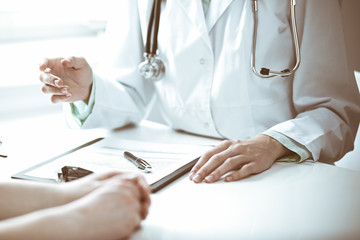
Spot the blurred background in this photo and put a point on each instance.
(32, 30)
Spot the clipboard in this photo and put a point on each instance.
(157, 183)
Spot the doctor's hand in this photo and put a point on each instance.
(240, 157)
(66, 79)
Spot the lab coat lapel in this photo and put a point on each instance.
(144, 14)
(194, 11)
(216, 9)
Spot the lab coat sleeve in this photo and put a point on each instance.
(121, 96)
(325, 96)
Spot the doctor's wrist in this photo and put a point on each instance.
(277, 149)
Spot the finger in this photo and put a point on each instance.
(107, 175)
(206, 156)
(59, 98)
(51, 79)
(230, 164)
(144, 190)
(125, 185)
(245, 171)
(144, 187)
(214, 162)
(48, 63)
(48, 89)
(44, 64)
(74, 62)
(145, 196)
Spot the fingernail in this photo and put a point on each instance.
(56, 82)
(229, 178)
(68, 94)
(197, 178)
(64, 90)
(209, 178)
(191, 175)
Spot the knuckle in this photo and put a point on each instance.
(237, 141)
(237, 147)
(206, 155)
(249, 169)
(201, 172)
(216, 174)
(217, 158)
(227, 142)
(238, 175)
(232, 162)
(195, 168)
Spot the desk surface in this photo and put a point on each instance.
(289, 201)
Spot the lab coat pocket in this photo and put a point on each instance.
(269, 91)
(271, 101)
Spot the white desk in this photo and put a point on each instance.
(289, 201)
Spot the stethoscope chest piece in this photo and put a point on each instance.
(152, 68)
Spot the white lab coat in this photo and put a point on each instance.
(209, 87)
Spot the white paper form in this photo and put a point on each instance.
(108, 154)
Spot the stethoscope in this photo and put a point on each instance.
(266, 72)
(153, 68)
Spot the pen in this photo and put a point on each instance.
(140, 163)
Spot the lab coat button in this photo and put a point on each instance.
(202, 61)
(206, 125)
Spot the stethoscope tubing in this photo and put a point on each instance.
(266, 73)
(153, 68)
(154, 21)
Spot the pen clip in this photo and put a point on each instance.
(146, 167)
(140, 163)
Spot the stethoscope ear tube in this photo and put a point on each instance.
(266, 72)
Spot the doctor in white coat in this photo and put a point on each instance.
(209, 87)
